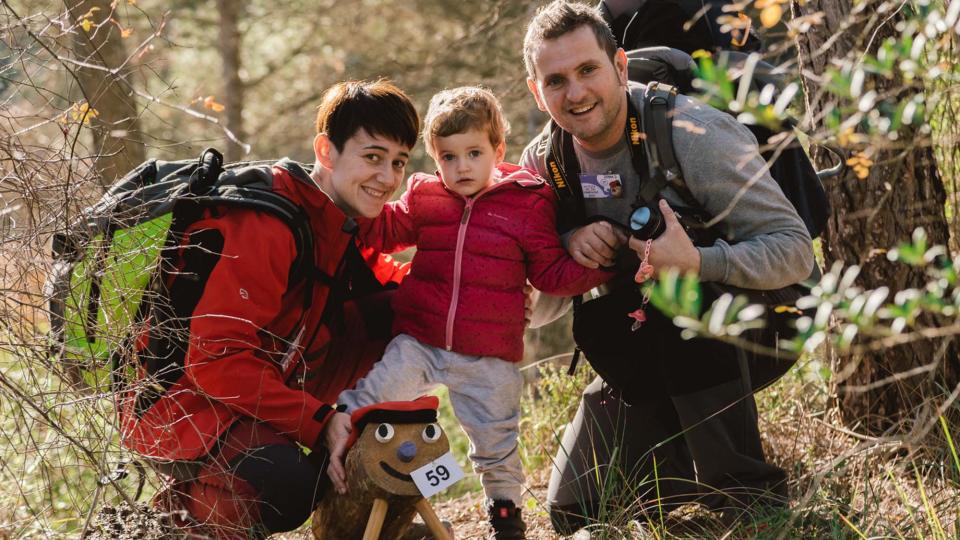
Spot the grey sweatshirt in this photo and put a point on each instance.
(769, 245)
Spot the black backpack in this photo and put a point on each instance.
(687, 25)
(104, 279)
(789, 165)
(659, 40)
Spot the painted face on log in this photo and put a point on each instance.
(392, 451)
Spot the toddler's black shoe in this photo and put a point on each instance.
(506, 521)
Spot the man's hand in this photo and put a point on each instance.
(335, 435)
(595, 244)
(673, 249)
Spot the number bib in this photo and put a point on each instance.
(437, 475)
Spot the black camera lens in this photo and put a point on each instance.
(646, 223)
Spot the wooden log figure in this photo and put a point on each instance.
(389, 441)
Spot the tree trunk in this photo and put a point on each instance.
(117, 140)
(903, 191)
(231, 11)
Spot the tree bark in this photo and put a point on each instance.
(231, 12)
(903, 191)
(117, 140)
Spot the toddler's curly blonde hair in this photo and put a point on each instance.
(459, 110)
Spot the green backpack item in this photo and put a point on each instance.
(106, 264)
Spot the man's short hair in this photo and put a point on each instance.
(461, 109)
(378, 107)
(559, 18)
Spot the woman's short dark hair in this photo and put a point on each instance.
(559, 18)
(378, 107)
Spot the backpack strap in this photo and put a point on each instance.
(280, 207)
(659, 101)
(560, 159)
(208, 170)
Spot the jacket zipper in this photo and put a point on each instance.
(458, 259)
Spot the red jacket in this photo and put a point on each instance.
(237, 362)
(465, 288)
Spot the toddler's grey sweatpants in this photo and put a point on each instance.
(485, 395)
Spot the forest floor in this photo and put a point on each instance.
(465, 513)
(844, 485)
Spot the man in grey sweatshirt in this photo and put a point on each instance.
(680, 411)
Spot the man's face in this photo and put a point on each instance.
(364, 175)
(580, 88)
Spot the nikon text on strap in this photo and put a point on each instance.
(564, 167)
(650, 141)
(564, 175)
(652, 132)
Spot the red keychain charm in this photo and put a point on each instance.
(644, 273)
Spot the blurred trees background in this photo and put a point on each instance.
(240, 75)
(98, 86)
(90, 88)
(247, 74)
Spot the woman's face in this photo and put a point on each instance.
(365, 174)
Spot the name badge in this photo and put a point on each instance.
(601, 186)
(437, 475)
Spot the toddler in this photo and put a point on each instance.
(482, 229)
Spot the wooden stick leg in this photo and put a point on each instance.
(432, 521)
(377, 515)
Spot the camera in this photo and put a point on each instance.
(646, 222)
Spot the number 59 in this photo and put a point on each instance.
(438, 475)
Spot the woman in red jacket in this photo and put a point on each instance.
(482, 229)
(227, 417)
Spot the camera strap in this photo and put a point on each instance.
(564, 167)
(650, 141)
(564, 170)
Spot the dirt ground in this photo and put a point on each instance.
(469, 518)
(124, 523)
(466, 514)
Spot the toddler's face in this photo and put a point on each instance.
(466, 161)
